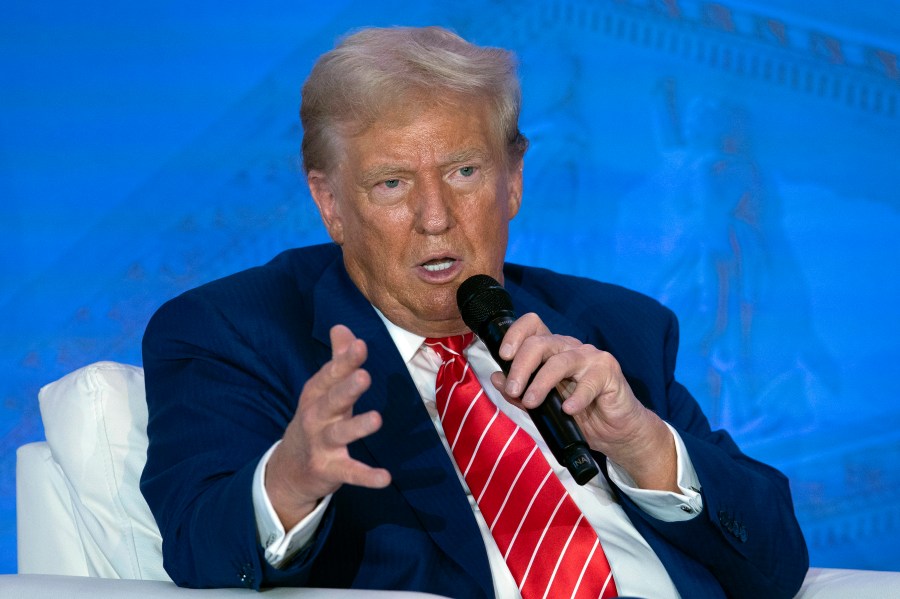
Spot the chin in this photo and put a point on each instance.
(444, 310)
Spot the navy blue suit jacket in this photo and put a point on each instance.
(225, 364)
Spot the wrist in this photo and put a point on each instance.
(290, 505)
(651, 459)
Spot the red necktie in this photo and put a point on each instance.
(549, 546)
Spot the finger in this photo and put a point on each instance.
(340, 366)
(588, 374)
(569, 364)
(346, 347)
(602, 378)
(341, 396)
(347, 351)
(582, 395)
(498, 380)
(531, 358)
(357, 473)
(343, 432)
(341, 338)
(524, 327)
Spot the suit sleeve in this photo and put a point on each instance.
(215, 407)
(747, 534)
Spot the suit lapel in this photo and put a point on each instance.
(525, 302)
(407, 444)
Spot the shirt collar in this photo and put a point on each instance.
(407, 343)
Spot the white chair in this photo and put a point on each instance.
(78, 505)
(80, 512)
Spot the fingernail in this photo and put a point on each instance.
(529, 399)
(512, 388)
(506, 351)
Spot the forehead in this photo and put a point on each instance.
(424, 129)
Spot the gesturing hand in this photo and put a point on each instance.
(312, 459)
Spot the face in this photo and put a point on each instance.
(419, 202)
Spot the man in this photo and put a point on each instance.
(296, 433)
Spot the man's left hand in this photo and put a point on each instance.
(596, 394)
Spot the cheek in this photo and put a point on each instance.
(380, 238)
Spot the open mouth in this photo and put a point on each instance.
(438, 265)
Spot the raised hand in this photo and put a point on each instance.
(312, 459)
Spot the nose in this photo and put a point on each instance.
(434, 206)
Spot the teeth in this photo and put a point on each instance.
(438, 266)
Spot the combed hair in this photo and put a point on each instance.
(371, 70)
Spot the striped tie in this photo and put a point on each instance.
(550, 548)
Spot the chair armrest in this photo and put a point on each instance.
(833, 583)
(45, 586)
(47, 536)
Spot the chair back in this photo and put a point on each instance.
(79, 508)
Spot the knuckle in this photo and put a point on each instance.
(530, 318)
(592, 389)
(331, 434)
(305, 417)
(610, 362)
(318, 465)
(568, 341)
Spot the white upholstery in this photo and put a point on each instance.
(48, 539)
(42, 586)
(832, 583)
(80, 511)
(95, 420)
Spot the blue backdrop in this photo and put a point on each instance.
(735, 159)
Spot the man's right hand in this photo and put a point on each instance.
(312, 460)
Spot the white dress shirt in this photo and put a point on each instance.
(636, 568)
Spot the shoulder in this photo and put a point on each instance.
(587, 300)
(293, 269)
(276, 292)
(291, 272)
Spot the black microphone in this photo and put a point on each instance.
(487, 309)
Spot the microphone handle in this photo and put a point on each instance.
(558, 429)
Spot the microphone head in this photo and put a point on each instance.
(480, 298)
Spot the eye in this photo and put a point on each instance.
(392, 183)
(467, 171)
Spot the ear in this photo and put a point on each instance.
(325, 196)
(514, 188)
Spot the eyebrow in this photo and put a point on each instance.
(467, 155)
(382, 172)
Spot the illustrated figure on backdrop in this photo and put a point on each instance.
(724, 267)
(558, 143)
(328, 419)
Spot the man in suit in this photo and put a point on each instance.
(295, 435)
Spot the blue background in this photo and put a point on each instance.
(735, 159)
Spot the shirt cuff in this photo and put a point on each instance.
(665, 505)
(281, 546)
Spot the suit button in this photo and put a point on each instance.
(246, 576)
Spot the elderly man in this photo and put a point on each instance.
(327, 419)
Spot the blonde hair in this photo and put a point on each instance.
(374, 69)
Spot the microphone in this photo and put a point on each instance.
(487, 309)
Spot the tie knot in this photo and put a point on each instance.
(447, 347)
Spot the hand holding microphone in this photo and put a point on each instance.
(487, 309)
(617, 424)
